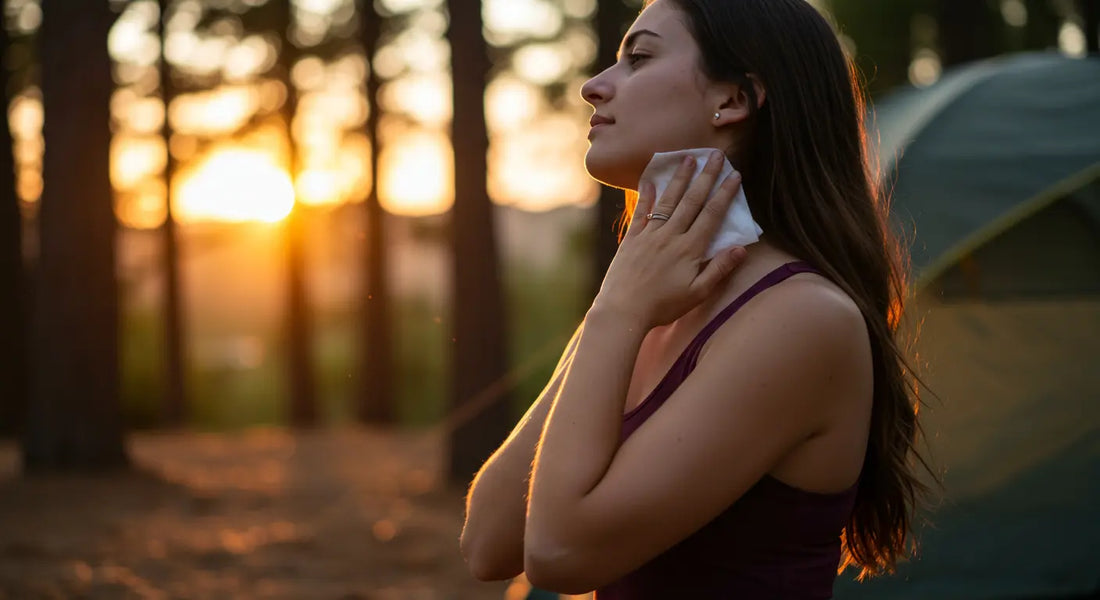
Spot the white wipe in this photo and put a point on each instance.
(739, 228)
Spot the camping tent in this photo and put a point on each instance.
(995, 181)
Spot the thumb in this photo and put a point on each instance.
(719, 268)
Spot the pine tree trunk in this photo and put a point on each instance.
(1090, 12)
(174, 408)
(968, 31)
(375, 387)
(13, 301)
(479, 348)
(74, 420)
(299, 328)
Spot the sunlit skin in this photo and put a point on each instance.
(597, 508)
(654, 99)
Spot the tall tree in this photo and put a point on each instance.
(74, 419)
(479, 351)
(969, 31)
(1043, 22)
(1090, 11)
(13, 307)
(299, 328)
(375, 389)
(613, 18)
(174, 409)
(883, 39)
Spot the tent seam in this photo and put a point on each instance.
(1006, 221)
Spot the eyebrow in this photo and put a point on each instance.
(632, 39)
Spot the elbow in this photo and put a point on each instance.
(562, 572)
(484, 565)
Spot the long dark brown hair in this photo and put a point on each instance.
(810, 185)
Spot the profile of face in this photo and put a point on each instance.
(655, 98)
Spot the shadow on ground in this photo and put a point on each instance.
(347, 514)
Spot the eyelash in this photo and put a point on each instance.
(634, 57)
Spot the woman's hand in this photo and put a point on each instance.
(659, 272)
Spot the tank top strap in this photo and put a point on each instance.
(776, 276)
(685, 363)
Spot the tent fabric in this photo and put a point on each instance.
(1052, 255)
(996, 184)
(990, 144)
(1015, 428)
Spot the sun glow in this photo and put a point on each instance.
(417, 175)
(236, 185)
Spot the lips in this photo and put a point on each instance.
(598, 120)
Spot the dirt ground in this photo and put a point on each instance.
(347, 514)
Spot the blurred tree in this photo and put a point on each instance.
(969, 30)
(882, 35)
(1041, 30)
(1090, 12)
(74, 418)
(174, 409)
(299, 328)
(479, 352)
(375, 388)
(613, 18)
(13, 301)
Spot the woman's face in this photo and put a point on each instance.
(654, 99)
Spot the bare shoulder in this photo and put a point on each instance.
(805, 309)
(804, 336)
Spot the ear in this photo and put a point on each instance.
(735, 103)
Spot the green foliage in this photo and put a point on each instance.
(545, 308)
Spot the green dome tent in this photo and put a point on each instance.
(995, 182)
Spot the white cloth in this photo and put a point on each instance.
(739, 228)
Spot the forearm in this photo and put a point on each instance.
(583, 429)
(496, 506)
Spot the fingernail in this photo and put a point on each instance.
(716, 155)
(689, 161)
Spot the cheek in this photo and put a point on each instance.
(657, 113)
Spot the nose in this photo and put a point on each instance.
(597, 90)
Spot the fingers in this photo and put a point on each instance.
(666, 205)
(713, 213)
(717, 270)
(695, 197)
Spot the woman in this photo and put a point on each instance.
(776, 447)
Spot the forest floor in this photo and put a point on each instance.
(334, 514)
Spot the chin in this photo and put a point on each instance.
(613, 171)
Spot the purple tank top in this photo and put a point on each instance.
(775, 542)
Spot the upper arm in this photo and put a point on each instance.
(764, 386)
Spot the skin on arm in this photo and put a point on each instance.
(496, 505)
(768, 382)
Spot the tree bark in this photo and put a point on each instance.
(299, 327)
(968, 31)
(479, 349)
(613, 18)
(74, 420)
(174, 407)
(375, 389)
(1090, 12)
(882, 32)
(13, 280)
